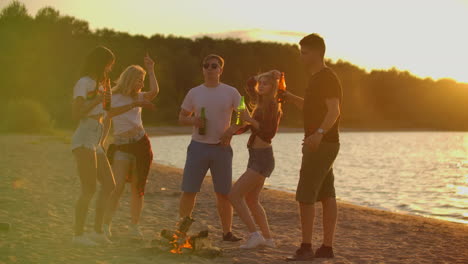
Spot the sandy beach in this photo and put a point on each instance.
(39, 186)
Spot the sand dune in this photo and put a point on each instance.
(39, 185)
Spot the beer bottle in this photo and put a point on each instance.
(240, 108)
(106, 102)
(202, 130)
(281, 88)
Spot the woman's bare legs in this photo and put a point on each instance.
(250, 181)
(87, 171)
(121, 169)
(257, 210)
(106, 178)
(136, 205)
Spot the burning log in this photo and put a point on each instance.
(180, 243)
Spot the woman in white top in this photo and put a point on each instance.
(127, 103)
(87, 143)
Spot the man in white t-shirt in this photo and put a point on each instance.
(211, 150)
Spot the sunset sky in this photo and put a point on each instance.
(426, 37)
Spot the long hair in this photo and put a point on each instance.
(127, 79)
(259, 103)
(96, 62)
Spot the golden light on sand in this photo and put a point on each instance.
(18, 184)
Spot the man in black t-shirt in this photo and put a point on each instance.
(321, 107)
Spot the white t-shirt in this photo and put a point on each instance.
(130, 119)
(86, 88)
(219, 103)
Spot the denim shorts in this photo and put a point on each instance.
(88, 135)
(261, 160)
(200, 158)
(121, 155)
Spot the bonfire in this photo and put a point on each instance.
(178, 242)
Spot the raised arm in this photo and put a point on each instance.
(154, 86)
(296, 100)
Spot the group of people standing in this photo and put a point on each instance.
(208, 106)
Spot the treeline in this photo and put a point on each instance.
(41, 56)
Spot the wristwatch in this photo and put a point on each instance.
(321, 131)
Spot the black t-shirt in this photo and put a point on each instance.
(322, 85)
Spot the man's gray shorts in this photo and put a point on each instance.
(200, 158)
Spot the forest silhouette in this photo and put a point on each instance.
(41, 57)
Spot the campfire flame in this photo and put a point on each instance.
(180, 242)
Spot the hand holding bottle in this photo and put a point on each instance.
(245, 116)
(107, 95)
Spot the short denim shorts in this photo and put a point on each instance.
(261, 160)
(88, 135)
(202, 157)
(121, 155)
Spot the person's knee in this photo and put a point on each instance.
(329, 202)
(88, 193)
(223, 198)
(307, 205)
(252, 201)
(109, 188)
(234, 196)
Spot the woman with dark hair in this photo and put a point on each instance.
(87, 142)
(263, 122)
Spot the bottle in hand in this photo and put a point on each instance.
(202, 130)
(106, 102)
(281, 88)
(240, 108)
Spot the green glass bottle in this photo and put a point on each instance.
(202, 130)
(240, 108)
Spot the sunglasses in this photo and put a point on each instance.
(214, 66)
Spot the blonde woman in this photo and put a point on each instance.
(263, 122)
(130, 154)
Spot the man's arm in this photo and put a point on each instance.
(296, 100)
(333, 112)
(186, 119)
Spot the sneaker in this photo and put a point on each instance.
(134, 232)
(270, 243)
(83, 241)
(231, 238)
(302, 254)
(106, 229)
(99, 238)
(324, 252)
(255, 240)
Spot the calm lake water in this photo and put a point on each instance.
(423, 173)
